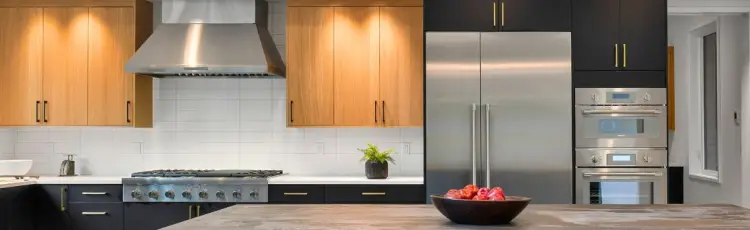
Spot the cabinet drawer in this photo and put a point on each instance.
(96, 215)
(375, 194)
(296, 194)
(95, 193)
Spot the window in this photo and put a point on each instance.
(704, 103)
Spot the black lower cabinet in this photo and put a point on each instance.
(296, 194)
(375, 194)
(50, 207)
(150, 216)
(15, 209)
(91, 216)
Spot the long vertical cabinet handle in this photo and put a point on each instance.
(473, 143)
(502, 12)
(197, 210)
(44, 111)
(617, 55)
(494, 14)
(63, 197)
(190, 212)
(383, 104)
(376, 112)
(291, 111)
(624, 55)
(127, 112)
(36, 112)
(487, 135)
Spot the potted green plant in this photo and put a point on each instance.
(376, 162)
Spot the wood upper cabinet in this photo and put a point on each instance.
(65, 65)
(401, 66)
(110, 88)
(21, 82)
(309, 59)
(356, 65)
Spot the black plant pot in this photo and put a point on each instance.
(376, 170)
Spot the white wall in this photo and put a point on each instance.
(745, 126)
(217, 123)
(733, 54)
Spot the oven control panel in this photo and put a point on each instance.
(194, 190)
(621, 158)
(620, 96)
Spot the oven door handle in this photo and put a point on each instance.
(622, 174)
(625, 112)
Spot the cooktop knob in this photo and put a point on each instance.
(237, 194)
(219, 194)
(187, 195)
(594, 160)
(253, 194)
(203, 194)
(169, 194)
(153, 194)
(136, 194)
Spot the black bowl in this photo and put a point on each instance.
(481, 212)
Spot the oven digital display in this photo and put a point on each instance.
(622, 158)
(620, 96)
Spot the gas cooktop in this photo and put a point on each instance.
(208, 173)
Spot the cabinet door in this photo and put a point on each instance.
(309, 59)
(296, 194)
(213, 207)
(356, 65)
(65, 65)
(110, 88)
(401, 66)
(21, 47)
(595, 35)
(643, 34)
(464, 15)
(96, 216)
(535, 15)
(152, 216)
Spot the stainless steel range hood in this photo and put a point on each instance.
(210, 38)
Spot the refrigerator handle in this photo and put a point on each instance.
(474, 144)
(487, 157)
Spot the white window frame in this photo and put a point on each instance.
(696, 160)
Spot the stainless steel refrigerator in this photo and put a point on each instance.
(499, 112)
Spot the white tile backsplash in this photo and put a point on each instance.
(215, 123)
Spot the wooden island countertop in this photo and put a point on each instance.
(267, 216)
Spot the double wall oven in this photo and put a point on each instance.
(621, 145)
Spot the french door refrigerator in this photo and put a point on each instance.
(499, 112)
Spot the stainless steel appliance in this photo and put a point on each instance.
(621, 176)
(207, 38)
(621, 118)
(498, 113)
(196, 186)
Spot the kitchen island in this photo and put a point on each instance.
(252, 216)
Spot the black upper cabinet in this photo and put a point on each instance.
(619, 35)
(643, 34)
(535, 15)
(595, 34)
(460, 15)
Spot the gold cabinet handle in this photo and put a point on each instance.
(94, 193)
(63, 195)
(94, 213)
(190, 212)
(373, 194)
(502, 11)
(624, 55)
(494, 14)
(295, 194)
(617, 53)
(197, 210)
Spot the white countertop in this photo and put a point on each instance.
(288, 179)
(80, 179)
(284, 179)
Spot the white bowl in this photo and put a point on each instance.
(15, 167)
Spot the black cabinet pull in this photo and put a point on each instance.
(44, 111)
(127, 112)
(383, 112)
(291, 111)
(376, 112)
(36, 112)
